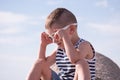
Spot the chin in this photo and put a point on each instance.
(60, 45)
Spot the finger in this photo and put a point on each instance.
(56, 36)
(45, 35)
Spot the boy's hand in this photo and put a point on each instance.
(60, 33)
(45, 40)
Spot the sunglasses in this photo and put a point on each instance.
(64, 28)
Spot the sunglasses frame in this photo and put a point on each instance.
(64, 28)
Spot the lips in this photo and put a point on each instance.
(59, 43)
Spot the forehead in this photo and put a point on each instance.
(53, 28)
(50, 31)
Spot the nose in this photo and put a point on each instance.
(55, 40)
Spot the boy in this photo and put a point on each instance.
(74, 57)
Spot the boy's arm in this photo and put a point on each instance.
(78, 56)
(50, 59)
(45, 40)
(83, 52)
(42, 52)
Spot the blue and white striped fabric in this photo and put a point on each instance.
(67, 69)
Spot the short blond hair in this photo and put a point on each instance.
(61, 17)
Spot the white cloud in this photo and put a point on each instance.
(11, 18)
(108, 28)
(10, 30)
(15, 19)
(13, 23)
(37, 20)
(20, 40)
(15, 63)
(102, 3)
(111, 25)
(12, 26)
(16, 57)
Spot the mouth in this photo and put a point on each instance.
(59, 43)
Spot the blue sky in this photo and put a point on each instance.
(22, 21)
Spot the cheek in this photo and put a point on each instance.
(71, 32)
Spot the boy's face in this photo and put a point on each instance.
(52, 31)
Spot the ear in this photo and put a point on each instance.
(72, 29)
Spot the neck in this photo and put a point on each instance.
(75, 38)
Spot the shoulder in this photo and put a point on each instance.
(84, 45)
(86, 48)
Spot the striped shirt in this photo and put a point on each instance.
(67, 69)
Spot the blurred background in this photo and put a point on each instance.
(22, 21)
